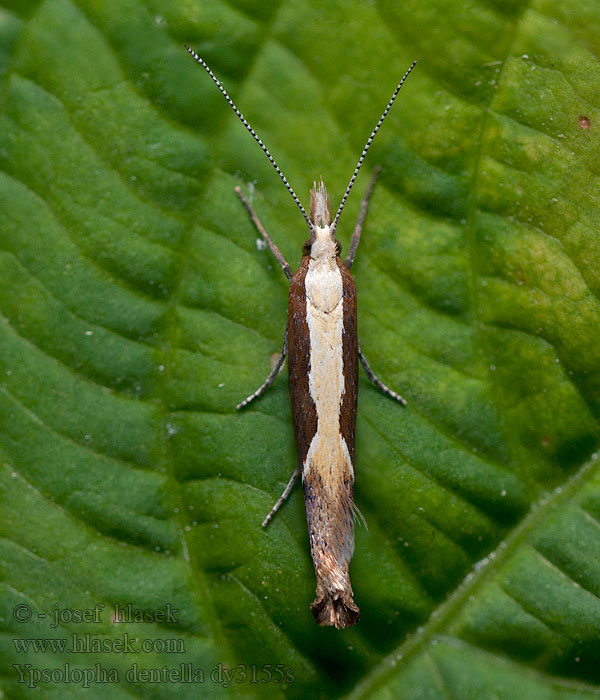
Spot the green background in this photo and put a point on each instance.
(137, 310)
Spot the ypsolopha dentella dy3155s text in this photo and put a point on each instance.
(321, 341)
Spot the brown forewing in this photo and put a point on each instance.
(350, 357)
(304, 412)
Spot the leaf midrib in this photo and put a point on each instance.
(475, 579)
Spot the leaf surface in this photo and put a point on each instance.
(137, 310)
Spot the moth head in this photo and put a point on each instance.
(320, 208)
(307, 247)
(322, 234)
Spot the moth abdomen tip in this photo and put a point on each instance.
(337, 611)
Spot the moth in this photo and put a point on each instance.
(321, 342)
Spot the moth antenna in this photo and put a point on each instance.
(251, 130)
(368, 145)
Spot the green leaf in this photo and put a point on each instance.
(137, 310)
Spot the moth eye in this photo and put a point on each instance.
(306, 246)
(338, 248)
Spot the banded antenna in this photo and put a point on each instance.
(368, 145)
(251, 130)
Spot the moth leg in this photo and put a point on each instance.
(286, 492)
(354, 241)
(287, 270)
(270, 379)
(378, 383)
